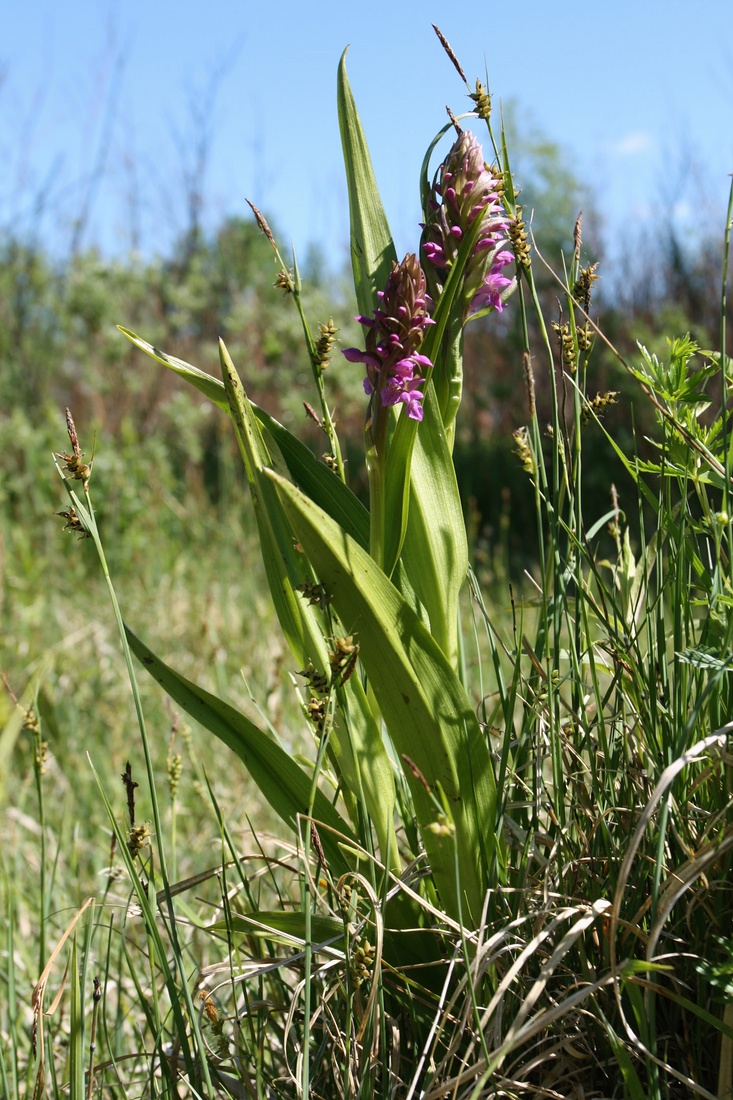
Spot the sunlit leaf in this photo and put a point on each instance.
(428, 715)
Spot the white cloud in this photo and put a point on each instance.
(631, 145)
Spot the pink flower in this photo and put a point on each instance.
(395, 369)
(465, 188)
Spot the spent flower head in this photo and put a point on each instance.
(465, 188)
(395, 368)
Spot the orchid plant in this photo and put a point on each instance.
(368, 598)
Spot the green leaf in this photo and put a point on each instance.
(315, 478)
(435, 551)
(205, 383)
(291, 925)
(634, 1088)
(428, 715)
(372, 249)
(286, 567)
(357, 744)
(373, 775)
(285, 786)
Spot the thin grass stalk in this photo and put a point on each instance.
(579, 391)
(76, 1030)
(552, 620)
(727, 451)
(4, 1083)
(724, 413)
(306, 901)
(12, 1001)
(294, 286)
(89, 520)
(111, 1045)
(45, 900)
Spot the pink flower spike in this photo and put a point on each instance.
(466, 190)
(395, 331)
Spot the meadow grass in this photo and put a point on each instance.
(492, 829)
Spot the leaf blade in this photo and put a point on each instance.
(428, 715)
(282, 782)
(372, 248)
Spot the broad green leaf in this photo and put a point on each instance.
(262, 923)
(372, 769)
(372, 249)
(356, 740)
(205, 383)
(314, 477)
(435, 551)
(359, 750)
(285, 785)
(428, 715)
(286, 567)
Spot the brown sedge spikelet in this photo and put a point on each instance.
(314, 593)
(566, 341)
(585, 337)
(584, 284)
(599, 404)
(262, 223)
(73, 465)
(361, 961)
(317, 681)
(343, 658)
(449, 51)
(324, 344)
(318, 847)
(482, 99)
(173, 769)
(215, 1020)
(519, 237)
(529, 382)
(578, 236)
(138, 837)
(284, 281)
(311, 413)
(523, 449)
(315, 712)
(73, 523)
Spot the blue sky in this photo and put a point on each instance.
(640, 95)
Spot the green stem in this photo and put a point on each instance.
(375, 443)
